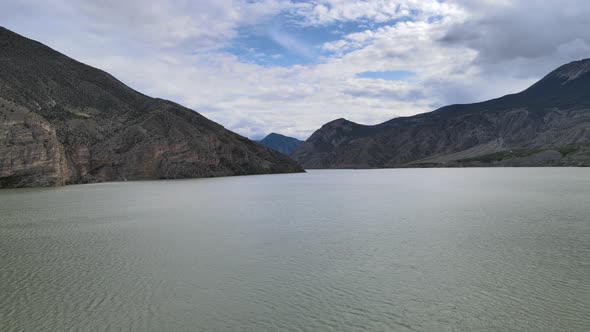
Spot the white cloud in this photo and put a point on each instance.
(327, 11)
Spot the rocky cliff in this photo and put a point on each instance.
(63, 122)
(545, 125)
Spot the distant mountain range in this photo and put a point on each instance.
(548, 124)
(281, 143)
(63, 122)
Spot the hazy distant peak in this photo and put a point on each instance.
(271, 135)
(281, 143)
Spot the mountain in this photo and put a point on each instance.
(548, 124)
(63, 122)
(284, 144)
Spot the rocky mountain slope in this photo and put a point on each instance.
(284, 144)
(63, 122)
(546, 125)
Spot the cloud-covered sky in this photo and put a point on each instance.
(289, 66)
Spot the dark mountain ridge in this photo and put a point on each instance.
(63, 122)
(547, 124)
(281, 143)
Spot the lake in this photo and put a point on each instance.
(342, 250)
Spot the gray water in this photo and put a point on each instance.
(380, 250)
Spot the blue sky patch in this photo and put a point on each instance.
(388, 75)
(285, 42)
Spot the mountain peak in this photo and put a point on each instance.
(545, 125)
(338, 123)
(274, 135)
(572, 70)
(9, 34)
(340, 120)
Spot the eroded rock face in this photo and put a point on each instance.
(62, 122)
(545, 125)
(30, 153)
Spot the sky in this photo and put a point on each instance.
(290, 66)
